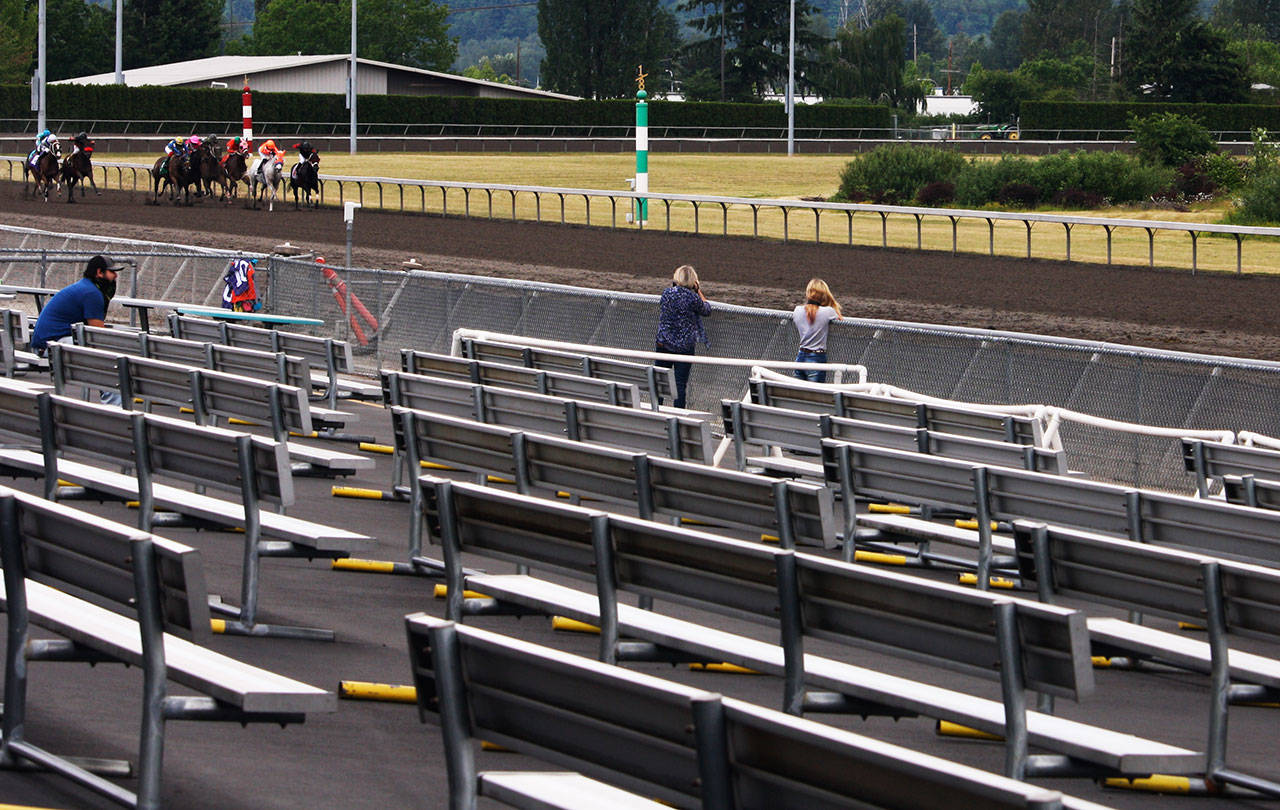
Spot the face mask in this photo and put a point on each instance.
(107, 288)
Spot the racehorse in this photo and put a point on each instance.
(305, 177)
(78, 167)
(45, 173)
(268, 177)
(209, 170)
(160, 177)
(237, 171)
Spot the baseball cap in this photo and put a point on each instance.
(101, 262)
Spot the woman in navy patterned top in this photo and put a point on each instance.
(680, 325)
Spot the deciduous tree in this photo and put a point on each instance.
(17, 41)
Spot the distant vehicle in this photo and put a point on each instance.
(997, 132)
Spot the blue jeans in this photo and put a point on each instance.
(807, 356)
(682, 371)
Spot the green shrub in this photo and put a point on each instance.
(1226, 171)
(1259, 201)
(896, 173)
(981, 181)
(1170, 139)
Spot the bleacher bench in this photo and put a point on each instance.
(149, 610)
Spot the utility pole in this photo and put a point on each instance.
(119, 41)
(722, 50)
(791, 83)
(42, 68)
(352, 91)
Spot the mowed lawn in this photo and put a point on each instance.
(763, 177)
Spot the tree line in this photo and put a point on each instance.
(889, 52)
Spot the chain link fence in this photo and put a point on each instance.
(395, 309)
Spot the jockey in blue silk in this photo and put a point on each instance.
(176, 146)
(45, 142)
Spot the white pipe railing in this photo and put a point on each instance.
(785, 207)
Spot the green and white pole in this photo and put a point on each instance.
(641, 208)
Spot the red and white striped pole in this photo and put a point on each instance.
(246, 103)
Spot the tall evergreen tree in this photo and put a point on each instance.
(864, 64)
(1173, 55)
(17, 41)
(157, 32)
(594, 47)
(75, 39)
(749, 38)
(1264, 15)
(1059, 28)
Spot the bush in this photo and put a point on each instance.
(1192, 182)
(1170, 139)
(1259, 201)
(980, 183)
(1077, 199)
(1226, 171)
(942, 192)
(1018, 195)
(896, 173)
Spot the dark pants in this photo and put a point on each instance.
(682, 371)
(807, 356)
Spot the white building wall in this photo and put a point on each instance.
(325, 77)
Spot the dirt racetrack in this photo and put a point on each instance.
(1208, 313)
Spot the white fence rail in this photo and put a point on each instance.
(355, 187)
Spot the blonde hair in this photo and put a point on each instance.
(818, 294)
(685, 276)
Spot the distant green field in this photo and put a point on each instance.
(764, 176)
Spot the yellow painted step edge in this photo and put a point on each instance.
(572, 625)
(946, 728)
(889, 508)
(1156, 783)
(385, 692)
(441, 591)
(879, 557)
(724, 667)
(994, 582)
(961, 523)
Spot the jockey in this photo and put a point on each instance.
(266, 152)
(82, 143)
(307, 153)
(176, 146)
(193, 143)
(45, 142)
(236, 146)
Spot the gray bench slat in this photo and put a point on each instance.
(757, 761)
(908, 616)
(658, 381)
(543, 790)
(1124, 753)
(957, 419)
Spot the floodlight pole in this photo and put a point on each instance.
(119, 41)
(791, 84)
(351, 90)
(42, 67)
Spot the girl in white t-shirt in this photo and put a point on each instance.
(812, 319)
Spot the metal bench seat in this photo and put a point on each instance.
(681, 745)
(149, 609)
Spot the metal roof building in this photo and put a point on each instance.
(323, 73)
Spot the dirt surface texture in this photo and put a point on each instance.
(1208, 313)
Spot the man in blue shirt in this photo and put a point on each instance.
(83, 302)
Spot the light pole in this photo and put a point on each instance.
(351, 93)
(791, 84)
(119, 41)
(42, 67)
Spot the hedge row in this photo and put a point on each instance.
(1050, 116)
(120, 103)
